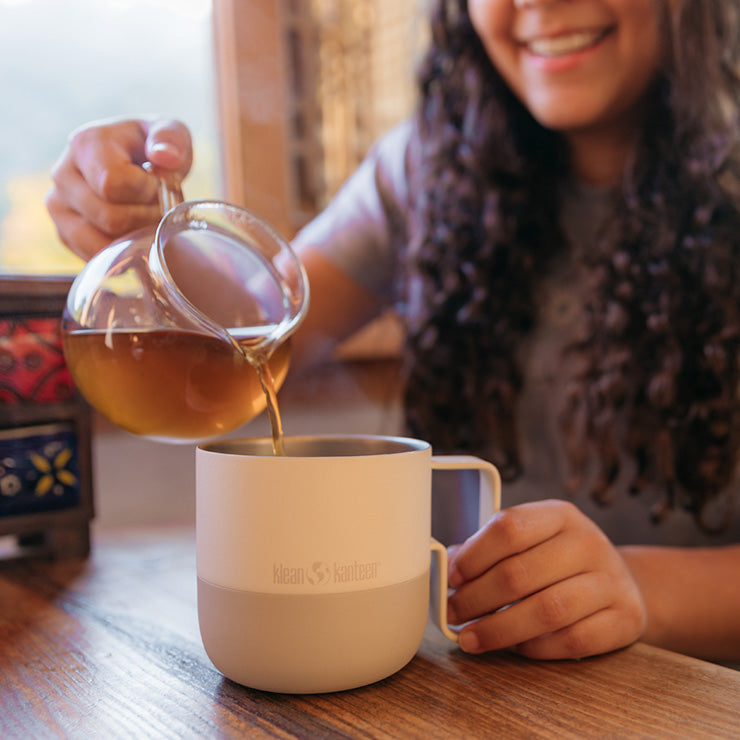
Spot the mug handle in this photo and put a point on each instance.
(490, 483)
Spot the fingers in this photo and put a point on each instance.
(516, 577)
(100, 204)
(543, 613)
(100, 190)
(81, 236)
(87, 223)
(108, 158)
(509, 532)
(168, 145)
(600, 632)
(557, 622)
(542, 579)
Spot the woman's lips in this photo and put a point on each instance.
(552, 47)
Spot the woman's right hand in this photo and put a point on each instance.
(100, 190)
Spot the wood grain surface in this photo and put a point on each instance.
(108, 647)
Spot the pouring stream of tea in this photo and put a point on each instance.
(259, 361)
(276, 424)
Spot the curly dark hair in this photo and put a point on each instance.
(660, 352)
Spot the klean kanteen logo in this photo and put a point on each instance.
(320, 573)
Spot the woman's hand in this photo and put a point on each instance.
(100, 190)
(543, 580)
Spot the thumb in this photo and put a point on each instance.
(169, 145)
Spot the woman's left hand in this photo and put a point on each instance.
(543, 580)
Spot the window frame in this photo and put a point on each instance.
(257, 104)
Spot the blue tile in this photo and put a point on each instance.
(39, 469)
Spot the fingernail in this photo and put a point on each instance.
(165, 154)
(469, 642)
(454, 579)
(164, 146)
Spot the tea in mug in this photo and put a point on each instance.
(171, 384)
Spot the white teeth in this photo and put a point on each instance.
(566, 44)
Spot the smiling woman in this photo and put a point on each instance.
(109, 57)
(579, 68)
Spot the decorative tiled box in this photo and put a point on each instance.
(39, 469)
(32, 366)
(46, 497)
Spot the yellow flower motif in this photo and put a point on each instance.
(53, 472)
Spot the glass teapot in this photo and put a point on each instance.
(181, 333)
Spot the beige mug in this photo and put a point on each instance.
(314, 566)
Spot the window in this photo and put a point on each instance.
(67, 63)
(305, 87)
(299, 90)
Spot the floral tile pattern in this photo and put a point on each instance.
(32, 366)
(38, 469)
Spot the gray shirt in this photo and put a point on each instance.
(363, 231)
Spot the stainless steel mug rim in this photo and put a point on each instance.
(317, 446)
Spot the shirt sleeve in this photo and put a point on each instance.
(365, 226)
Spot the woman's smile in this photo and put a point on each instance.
(553, 47)
(576, 65)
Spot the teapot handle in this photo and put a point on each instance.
(170, 187)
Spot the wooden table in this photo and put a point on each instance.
(108, 647)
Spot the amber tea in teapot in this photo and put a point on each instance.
(183, 334)
(170, 384)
